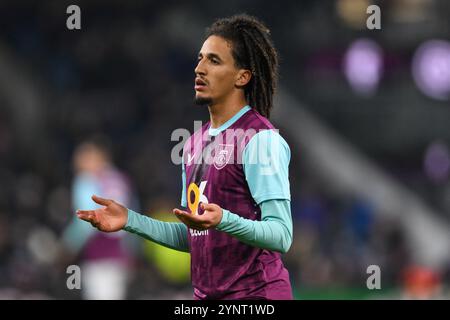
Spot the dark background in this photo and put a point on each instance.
(128, 74)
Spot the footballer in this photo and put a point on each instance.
(236, 218)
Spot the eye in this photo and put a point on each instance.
(215, 61)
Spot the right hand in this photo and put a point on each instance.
(112, 217)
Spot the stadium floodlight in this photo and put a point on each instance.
(431, 68)
(363, 66)
(437, 161)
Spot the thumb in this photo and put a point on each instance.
(207, 206)
(102, 201)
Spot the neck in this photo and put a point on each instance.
(220, 113)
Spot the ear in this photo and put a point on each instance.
(243, 77)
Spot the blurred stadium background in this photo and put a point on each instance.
(366, 114)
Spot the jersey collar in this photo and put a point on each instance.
(240, 113)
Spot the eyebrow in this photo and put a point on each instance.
(211, 56)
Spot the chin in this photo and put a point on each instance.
(199, 100)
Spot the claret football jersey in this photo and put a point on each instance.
(222, 267)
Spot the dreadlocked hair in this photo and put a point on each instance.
(252, 49)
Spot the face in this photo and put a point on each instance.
(89, 159)
(216, 73)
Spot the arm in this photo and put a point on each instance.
(266, 166)
(168, 234)
(273, 232)
(114, 217)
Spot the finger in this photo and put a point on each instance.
(178, 211)
(102, 201)
(86, 217)
(85, 211)
(185, 217)
(208, 206)
(180, 214)
(182, 219)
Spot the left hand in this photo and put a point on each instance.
(209, 219)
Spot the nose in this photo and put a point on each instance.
(200, 69)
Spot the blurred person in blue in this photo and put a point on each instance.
(106, 259)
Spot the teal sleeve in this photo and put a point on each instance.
(169, 234)
(266, 166)
(273, 232)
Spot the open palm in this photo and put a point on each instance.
(112, 217)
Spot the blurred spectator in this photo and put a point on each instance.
(106, 259)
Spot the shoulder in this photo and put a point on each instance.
(265, 131)
(254, 128)
(267, 141)
(254, 120)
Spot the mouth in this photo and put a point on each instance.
(200, 84)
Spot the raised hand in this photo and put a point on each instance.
(112, 217)
(209, 219)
